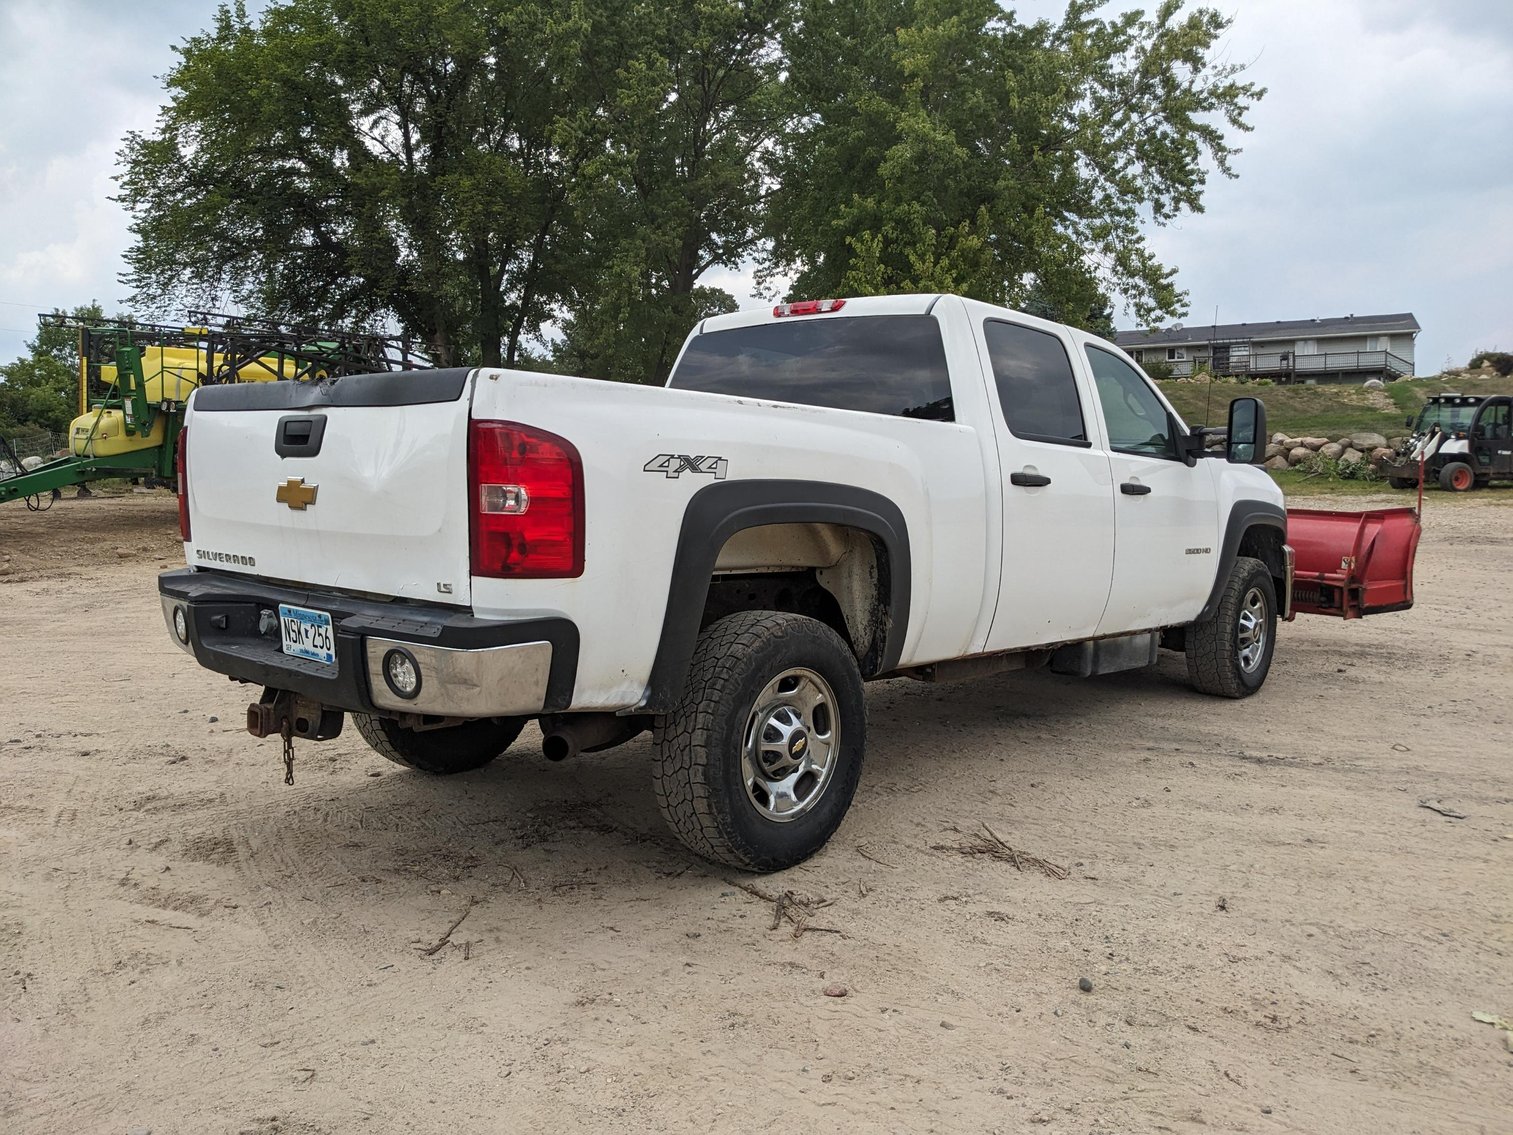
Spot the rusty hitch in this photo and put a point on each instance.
(280, 710)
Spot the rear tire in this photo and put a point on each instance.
(1457, 477)
(457, 748)
(757, 764)
(1229, 654)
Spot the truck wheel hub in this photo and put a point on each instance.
(790, 746)
(1250, 637)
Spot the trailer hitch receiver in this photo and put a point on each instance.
(304, 717)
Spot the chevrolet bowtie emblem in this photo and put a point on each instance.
(296, 494)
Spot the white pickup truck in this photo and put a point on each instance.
(825, 493)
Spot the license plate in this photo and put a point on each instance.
(307, 634)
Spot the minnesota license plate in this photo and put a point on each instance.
(307, 634)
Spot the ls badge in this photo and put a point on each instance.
(296, 494)
(674, 465)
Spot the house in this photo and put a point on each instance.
(1350, 348)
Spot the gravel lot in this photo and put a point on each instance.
(1277, 935)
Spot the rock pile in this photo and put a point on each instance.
(1292, 452)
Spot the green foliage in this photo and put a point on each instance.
(348, 160)
(491, 174)
(1297, 482)
(1405, 397)
(680, 188)
(1327, 409)
(1500, 361)
(946, 147)
(40, 390)
(1159, 370)
(1335, 469)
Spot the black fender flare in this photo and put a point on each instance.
(1244, 516)
(716, 512)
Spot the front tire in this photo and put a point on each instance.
(441, 752)
(1229, 654)
(1457, 477)
(757, 764)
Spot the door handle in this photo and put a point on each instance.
(1029, 480)
(1134, 489)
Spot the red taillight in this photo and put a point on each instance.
(181, 469)
(526, 490)
(808, 307)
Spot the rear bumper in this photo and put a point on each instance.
(469, 667)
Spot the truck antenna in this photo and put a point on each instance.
(1213, 336)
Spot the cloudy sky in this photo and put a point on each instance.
(1379, 177)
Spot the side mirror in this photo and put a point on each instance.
(1246, 444)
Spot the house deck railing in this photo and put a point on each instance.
(1286, 364)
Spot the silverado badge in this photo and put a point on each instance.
(296, 494)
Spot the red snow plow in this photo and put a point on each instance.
(1350, 564)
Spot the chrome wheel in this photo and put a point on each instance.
(791, 743)
(1250, 637)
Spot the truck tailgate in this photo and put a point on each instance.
(358, 484)
(1351, 564)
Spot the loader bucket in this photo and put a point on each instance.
(1351, 564)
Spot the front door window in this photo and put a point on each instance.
(1137, 421)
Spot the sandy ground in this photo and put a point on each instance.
(1279, 938)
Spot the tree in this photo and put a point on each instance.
(947, 147)
(40, 390)
(354, 160)
(682, 185)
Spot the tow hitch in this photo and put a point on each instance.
(281, 713)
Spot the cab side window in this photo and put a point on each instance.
(1137, 421)
(1036, 386)
(1494, 422)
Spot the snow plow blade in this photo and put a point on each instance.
(1352, 564)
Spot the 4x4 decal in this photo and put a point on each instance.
(676, 464)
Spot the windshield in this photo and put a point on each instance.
(1447, 416)
(882, 364)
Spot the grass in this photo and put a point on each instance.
(1296, 483)
(1326, 410)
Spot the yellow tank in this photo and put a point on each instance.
(102, 433)
(172, 373)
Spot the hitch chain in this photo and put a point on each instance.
(288, 735)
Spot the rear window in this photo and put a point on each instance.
(882, 364)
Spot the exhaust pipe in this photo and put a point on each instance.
(569, 734)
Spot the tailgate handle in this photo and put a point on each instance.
(299, 435)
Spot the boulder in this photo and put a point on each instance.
(1301, 453)
(1280, 439)
(1367, 440)
(1352, 457)
(1274, 450)
(1342, 442)
(1313, 442)
(30, 463)
(1374, 384)
(1332, 450)
(1277, 462)
(1381, 453)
